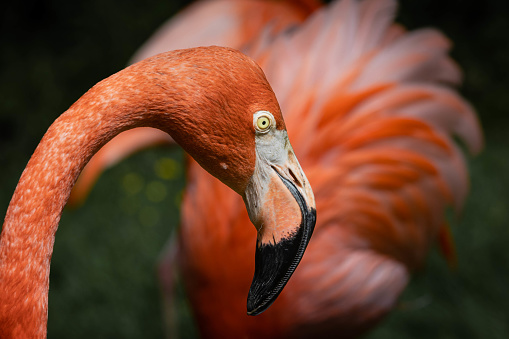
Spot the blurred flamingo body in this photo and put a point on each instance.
(372, 113)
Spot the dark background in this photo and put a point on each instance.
(103, 271)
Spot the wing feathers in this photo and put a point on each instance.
(373, 117)
(367, 91)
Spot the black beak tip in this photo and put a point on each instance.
(275, 264)
(254, 306)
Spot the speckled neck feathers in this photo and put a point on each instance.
(190, 94)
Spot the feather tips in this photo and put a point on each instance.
(372, 114)
(365, 89)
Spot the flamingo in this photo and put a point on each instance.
(231, 23)
(380, 105)
(218, 105)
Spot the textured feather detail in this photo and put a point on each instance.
(228, 23)
(224, 23)
(356, 86)
(372, 114)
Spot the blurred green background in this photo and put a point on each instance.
(103, 278)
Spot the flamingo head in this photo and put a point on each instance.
(239, 136)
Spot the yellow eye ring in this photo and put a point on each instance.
(263, 122)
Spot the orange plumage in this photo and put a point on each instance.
(197, 96)
(372, 112)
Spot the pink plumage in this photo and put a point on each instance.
(372, 113)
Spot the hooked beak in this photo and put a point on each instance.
(284, 215)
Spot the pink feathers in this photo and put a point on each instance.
(373, 115)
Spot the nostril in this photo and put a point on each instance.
(294, 177)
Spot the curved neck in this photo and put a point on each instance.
(32, 218)
(168, 92)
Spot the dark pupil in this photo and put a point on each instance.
(264, 122)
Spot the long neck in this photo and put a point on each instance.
(194, 95)
(33, 215)
(116, 104)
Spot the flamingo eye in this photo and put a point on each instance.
(263, 121)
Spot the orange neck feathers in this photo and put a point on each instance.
(189, 94)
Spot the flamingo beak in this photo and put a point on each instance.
(285, 218)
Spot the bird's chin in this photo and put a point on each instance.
(279, 252)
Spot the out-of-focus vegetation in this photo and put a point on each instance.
(103, 278)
